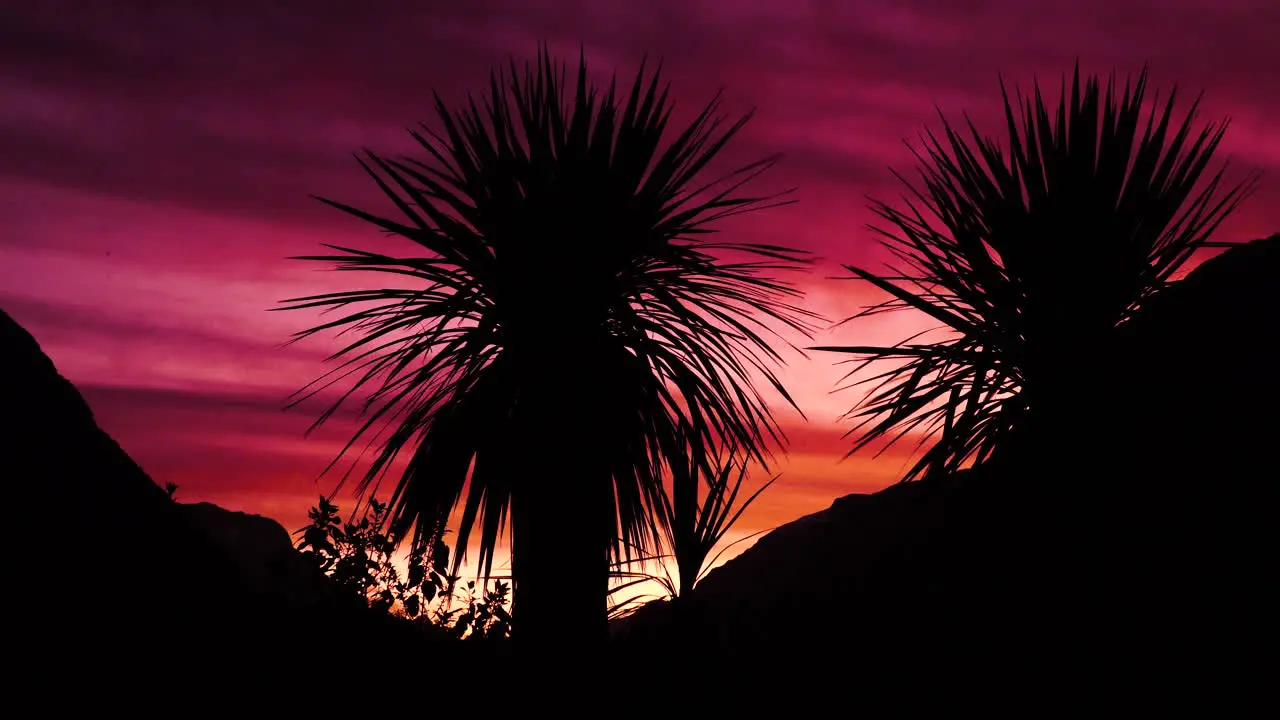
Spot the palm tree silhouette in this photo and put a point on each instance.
(1031, 257)
(573, 331)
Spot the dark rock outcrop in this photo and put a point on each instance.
(260, 545)
(265, 558)
(1127, 559)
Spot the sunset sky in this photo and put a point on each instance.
(156, 161)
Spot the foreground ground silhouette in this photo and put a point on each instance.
(1123, 557)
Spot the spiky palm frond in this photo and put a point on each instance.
(555, 227)
(1031, 257)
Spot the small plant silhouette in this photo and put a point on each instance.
(698, 527)
(360, 557)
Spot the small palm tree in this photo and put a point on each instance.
(699, 525)
(1031, 258)
(705, 503)
(570, 330)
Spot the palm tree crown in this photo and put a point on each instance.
(1031, 257)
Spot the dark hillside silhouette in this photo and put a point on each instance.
(1136, 569)
(121, 592)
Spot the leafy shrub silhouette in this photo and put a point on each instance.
(360, 557)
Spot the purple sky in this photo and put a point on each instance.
(158, 157)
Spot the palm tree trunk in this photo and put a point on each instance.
(560, 565)
(562, 522)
